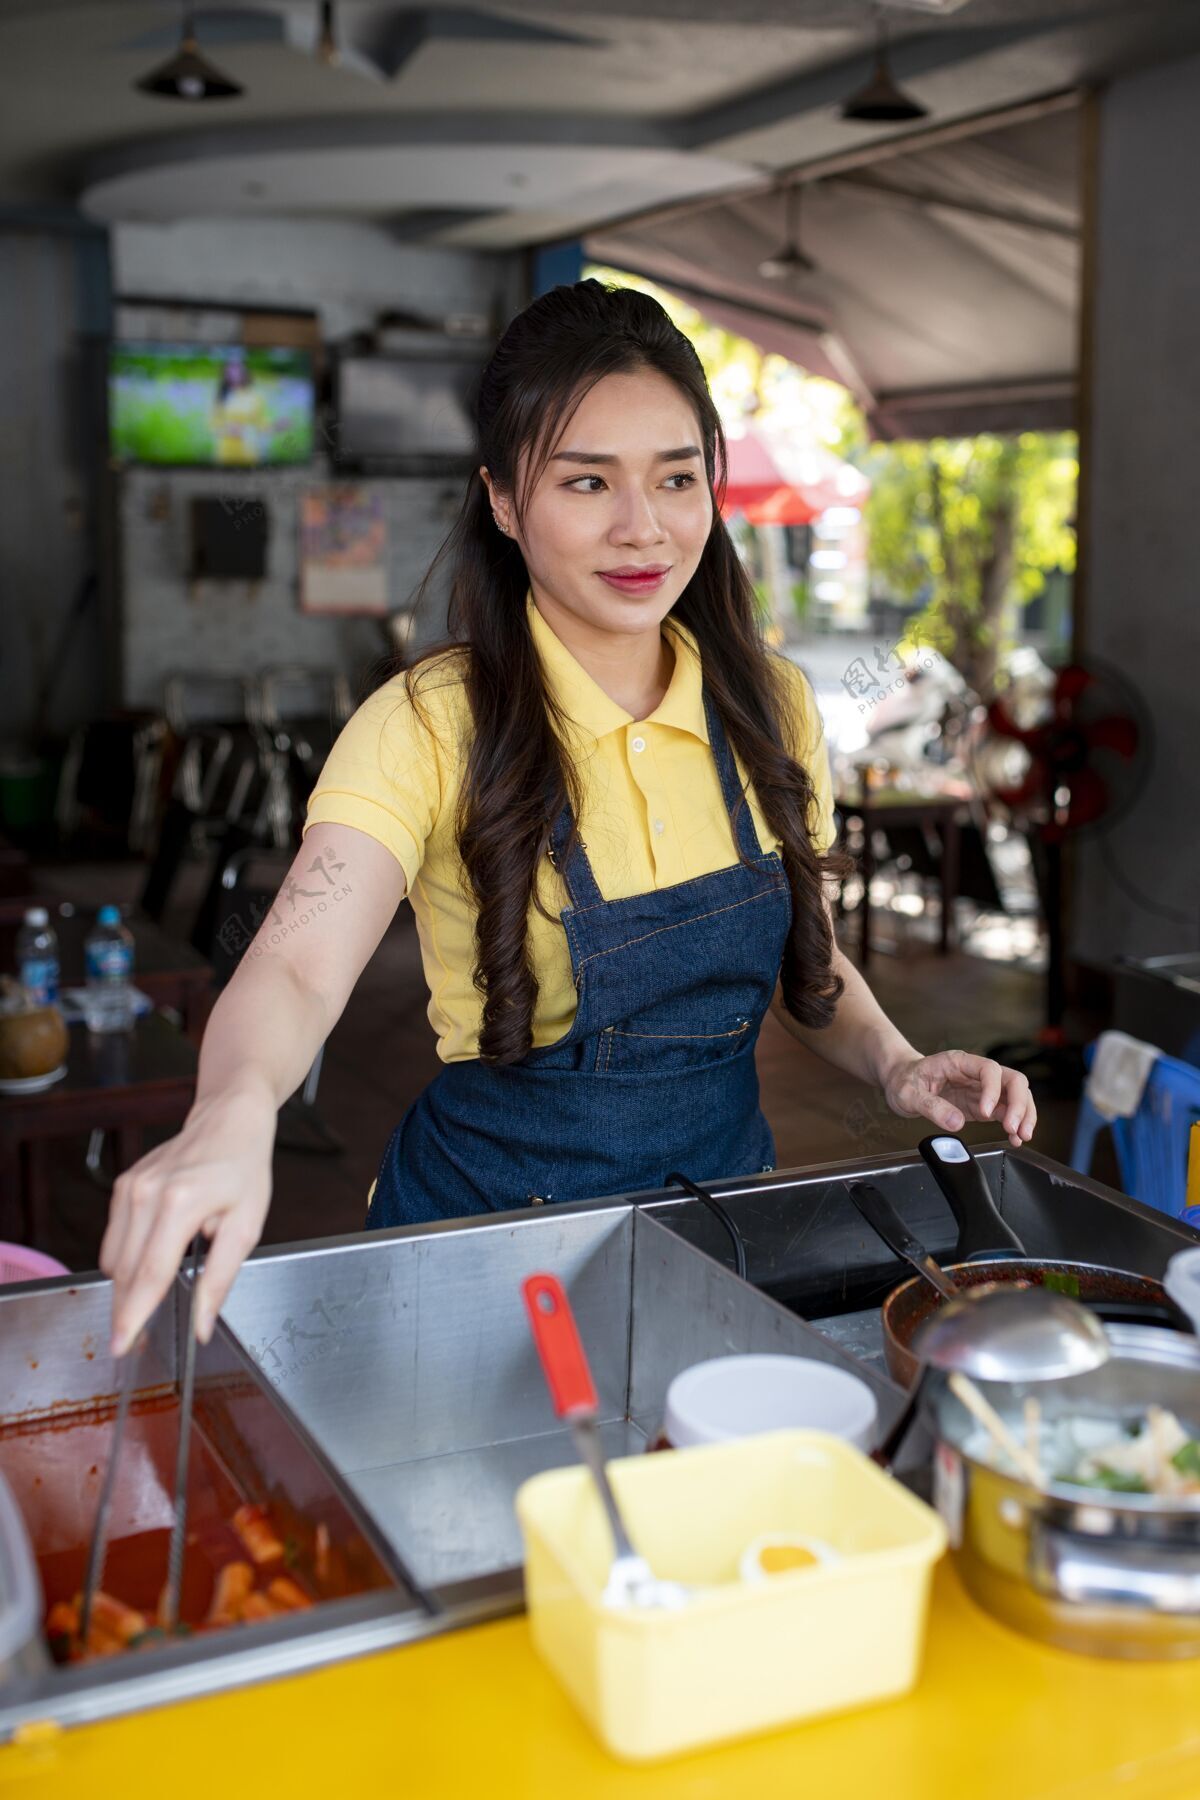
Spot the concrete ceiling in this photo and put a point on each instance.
(496, 127)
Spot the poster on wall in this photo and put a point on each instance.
(343, 551)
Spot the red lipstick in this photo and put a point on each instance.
(632, 578)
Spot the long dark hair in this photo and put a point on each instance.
(517, 772)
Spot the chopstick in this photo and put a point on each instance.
(1033, 1428)
(964, 1389)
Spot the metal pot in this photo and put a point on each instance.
(1117, 1295)
(1106, 1574)
(1108, 1290)
(22, 1650)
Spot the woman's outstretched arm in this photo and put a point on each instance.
(278, 1008)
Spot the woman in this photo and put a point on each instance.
(239, 419)
(610, 807)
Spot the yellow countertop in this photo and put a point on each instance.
(994, 1717)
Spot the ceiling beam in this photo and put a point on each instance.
(1036, 403)
(824, 89)
(424, 225)
(835, 348)
(390, 39)
(929, 199)
(935, 137)
(389, 130)
(929, 137)
(690, 290)
(1026, 387)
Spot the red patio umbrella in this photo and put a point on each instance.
(775, 482)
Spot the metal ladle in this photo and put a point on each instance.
(990, 1332)
(1012, 1334)
(983, 1333)
(1001, 1334)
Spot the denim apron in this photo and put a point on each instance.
(657, 1072)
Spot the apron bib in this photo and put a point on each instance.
(657, 1071)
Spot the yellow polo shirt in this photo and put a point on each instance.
(653, 812)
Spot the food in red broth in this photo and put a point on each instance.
(240, 1566)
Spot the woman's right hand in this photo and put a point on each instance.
(214, 1177)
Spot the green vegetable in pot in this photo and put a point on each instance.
(1116, 1481)
(1059, 1282)
(1187, 1458)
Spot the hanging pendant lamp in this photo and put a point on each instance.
(327, 44)
(789, 260)
(881, 102)
(187, 75)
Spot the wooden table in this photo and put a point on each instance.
(880, 807)
(168, 970)
(123, 1082)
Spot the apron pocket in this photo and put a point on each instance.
(667, 1043)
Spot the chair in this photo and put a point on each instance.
(98, 785)
(1152, 1146)
(297, 714)
(221, 781)
(212, 717)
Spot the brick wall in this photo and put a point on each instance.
(240, 628)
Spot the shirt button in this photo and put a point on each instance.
(639, 743)
(659, 827)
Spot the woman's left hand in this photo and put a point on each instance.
(953, 1086)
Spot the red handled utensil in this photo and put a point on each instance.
(631, 1581)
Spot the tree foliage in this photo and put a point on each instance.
(964, 529)
(746, 381)
(969, 528)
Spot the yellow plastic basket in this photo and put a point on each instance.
(741, 1657)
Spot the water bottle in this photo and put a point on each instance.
(37, 957)
(108, 965)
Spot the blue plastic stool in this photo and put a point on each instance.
(1152, 1146)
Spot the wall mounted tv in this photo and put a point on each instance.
(201, 405)
(410, 412)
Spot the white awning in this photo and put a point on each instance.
(945, 292)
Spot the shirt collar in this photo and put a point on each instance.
(584, 702)
(683, 703)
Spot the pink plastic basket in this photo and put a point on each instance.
(18, 1263)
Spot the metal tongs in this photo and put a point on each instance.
(94, 1575)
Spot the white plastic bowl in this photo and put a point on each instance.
(741, 1396)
